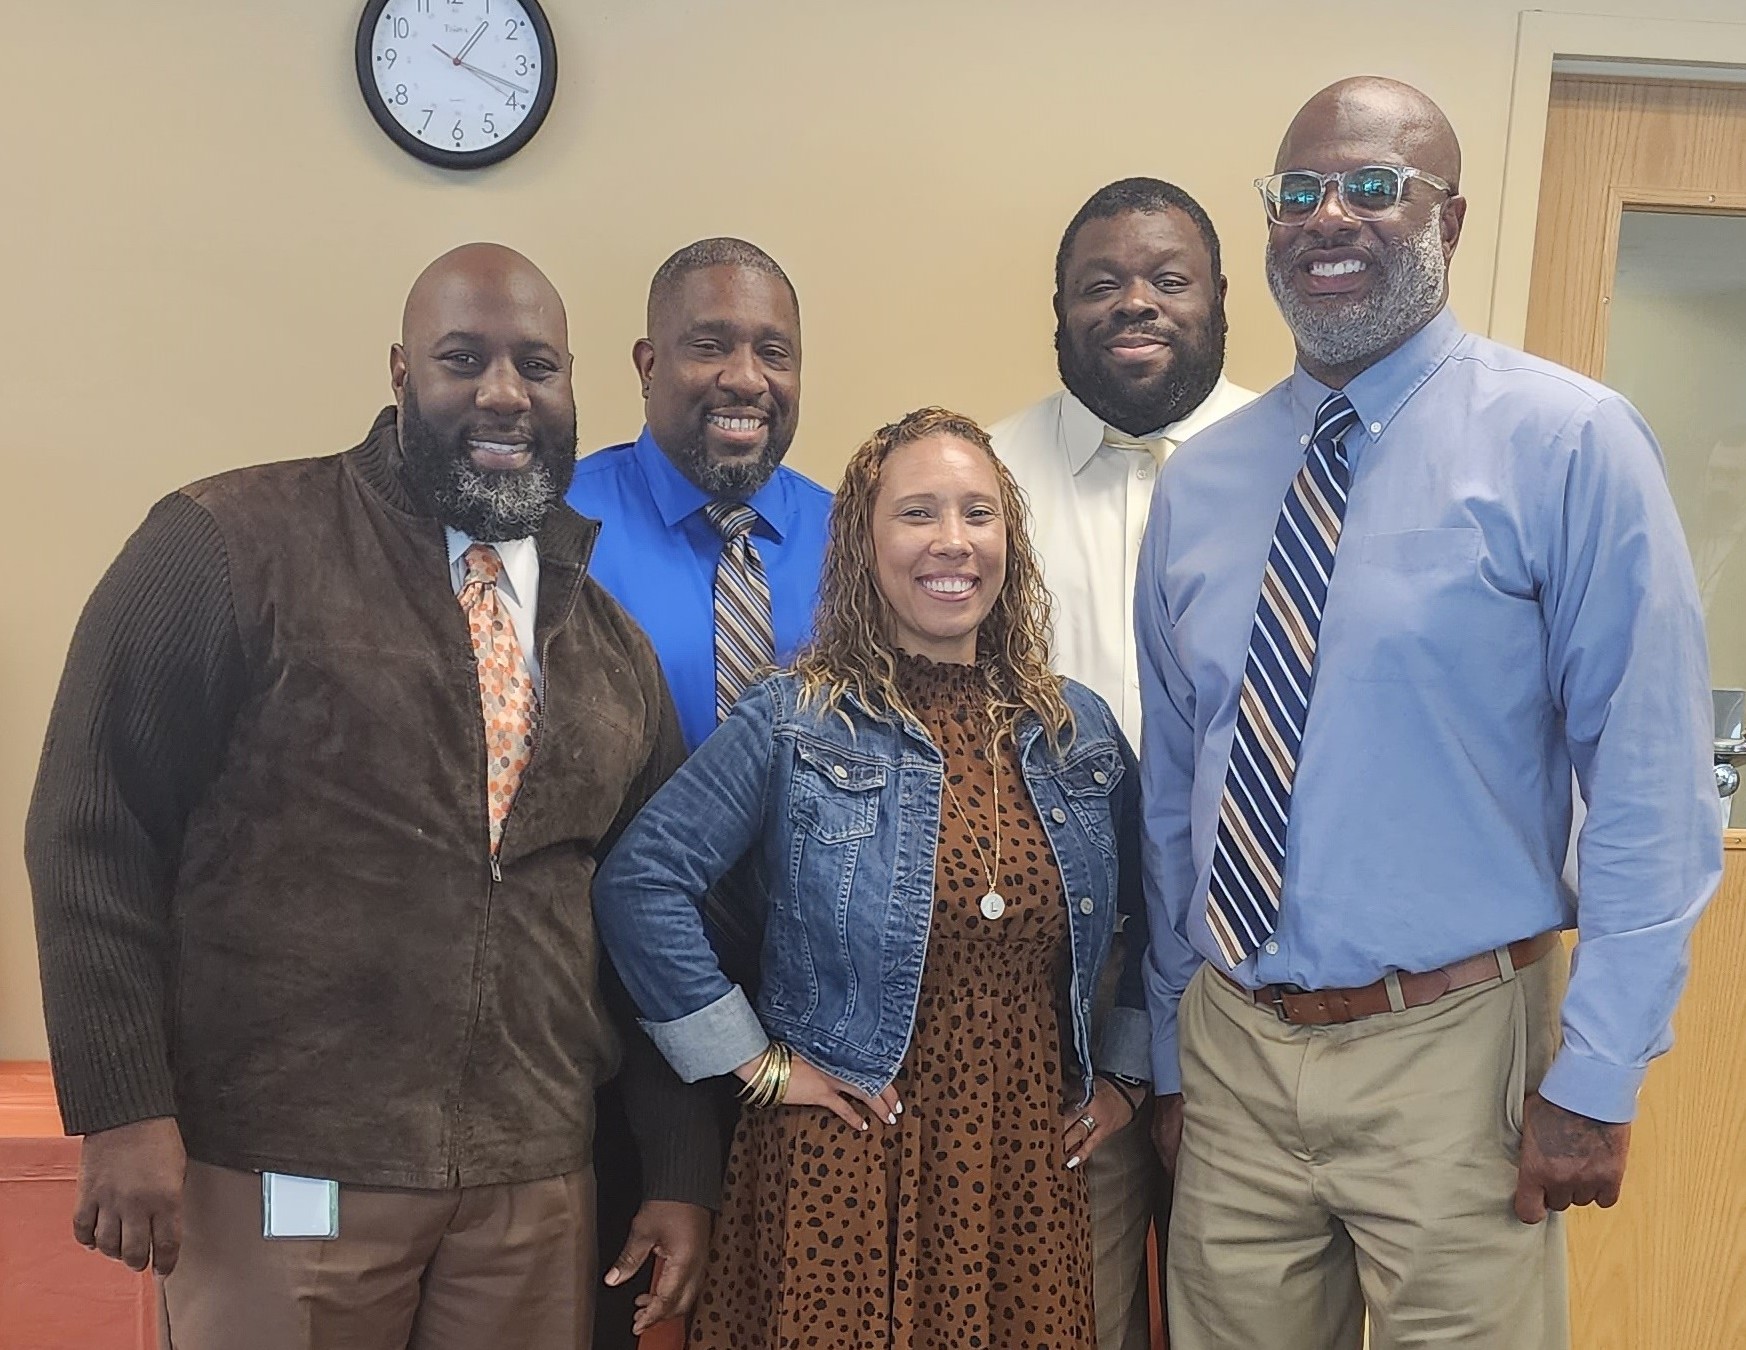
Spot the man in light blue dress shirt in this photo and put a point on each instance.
(1353, 986)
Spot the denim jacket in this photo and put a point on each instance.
(841, 812)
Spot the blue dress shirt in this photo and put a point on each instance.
(657, 552)
(1512, 600)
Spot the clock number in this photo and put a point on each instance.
(401, 28)
(458, 134)
(511, 29)
(424, 6)
(521, 66)
(425, 125)
(400, 94)
(510, 102)
(490, 126)
(390, 56)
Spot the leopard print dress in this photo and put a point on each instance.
(960, 1228)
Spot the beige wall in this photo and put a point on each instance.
(206, 239)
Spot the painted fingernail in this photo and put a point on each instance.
(866, 1124)
(891, 1120)
(1073, 1162)
(900, 1108)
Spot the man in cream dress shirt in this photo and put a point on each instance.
(1140, 342)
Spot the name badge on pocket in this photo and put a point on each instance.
(298, 1207)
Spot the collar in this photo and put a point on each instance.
(521, 563)
(1382, 390)
(1082, 429)
(677, 497)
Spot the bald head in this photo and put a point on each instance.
(484, 275)
(481, 375)
(1378, 120)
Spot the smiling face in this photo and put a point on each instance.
(481, 376)
(1353, 290)
(721, 376)
(939, 545)
(1140, 319)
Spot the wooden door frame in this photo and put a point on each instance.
(1542, 40)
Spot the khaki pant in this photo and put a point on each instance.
(411, 1270)
(1332, 1172)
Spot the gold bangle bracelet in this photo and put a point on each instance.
(768, 1084)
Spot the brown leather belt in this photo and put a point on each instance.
(1326, 1007)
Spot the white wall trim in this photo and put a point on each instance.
(1605, 44)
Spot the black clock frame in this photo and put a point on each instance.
(458, 159)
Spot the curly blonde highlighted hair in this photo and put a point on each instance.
(852, 650)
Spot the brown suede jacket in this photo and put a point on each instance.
(258, 848)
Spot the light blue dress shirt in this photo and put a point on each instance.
(1512, 600)
(657, 552)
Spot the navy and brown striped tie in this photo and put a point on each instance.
(1248, 868)
(745, 636)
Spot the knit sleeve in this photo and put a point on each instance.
(152, 681)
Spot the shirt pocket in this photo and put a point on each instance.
(835, 797)
(1456, 548)
(1416, 607)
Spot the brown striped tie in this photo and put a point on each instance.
(745, 636)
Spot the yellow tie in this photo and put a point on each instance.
(1158, 445)
(506, 695)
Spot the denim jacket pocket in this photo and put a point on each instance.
(1087, 781)
(834, 797)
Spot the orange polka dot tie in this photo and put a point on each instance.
(506, 693)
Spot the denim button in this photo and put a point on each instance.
(840, 771)
(1058, 816)
(1087, 905)
(1100, 778)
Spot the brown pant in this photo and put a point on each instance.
(465, 1269)
(1331, 1176)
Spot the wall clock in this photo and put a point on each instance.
(457, 83)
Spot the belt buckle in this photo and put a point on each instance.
(1276, 999)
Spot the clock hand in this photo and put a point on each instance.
(461, 55)
(497, 81)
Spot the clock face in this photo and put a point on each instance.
(457, 82)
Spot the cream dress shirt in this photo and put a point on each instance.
(1090, 490)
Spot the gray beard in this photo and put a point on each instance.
(1413, 285)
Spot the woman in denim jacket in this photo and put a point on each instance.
(946, 832)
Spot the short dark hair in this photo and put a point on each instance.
(721, 251)
(1146, 195)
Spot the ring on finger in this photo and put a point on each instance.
(1089, 1121)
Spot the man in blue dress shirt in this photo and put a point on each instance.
(715, 549)
(1392, 606)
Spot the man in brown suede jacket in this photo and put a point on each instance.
(319, 968)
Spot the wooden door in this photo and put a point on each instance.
(1667, 1267)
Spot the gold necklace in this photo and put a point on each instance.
(993, 903)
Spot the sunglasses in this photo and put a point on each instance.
(1366, 193)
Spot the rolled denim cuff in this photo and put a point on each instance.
(715, 1039)
(1125, 1047)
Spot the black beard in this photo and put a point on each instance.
(483, 504)
(733, 481)
(1141, 409)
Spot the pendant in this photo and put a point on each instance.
(993, 905)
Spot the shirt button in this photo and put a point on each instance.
(1376, 428)
(1087, 905)
(840, 771)
(1303, 440)
(1272, 949)
(1058, 816)
(1143, 473)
